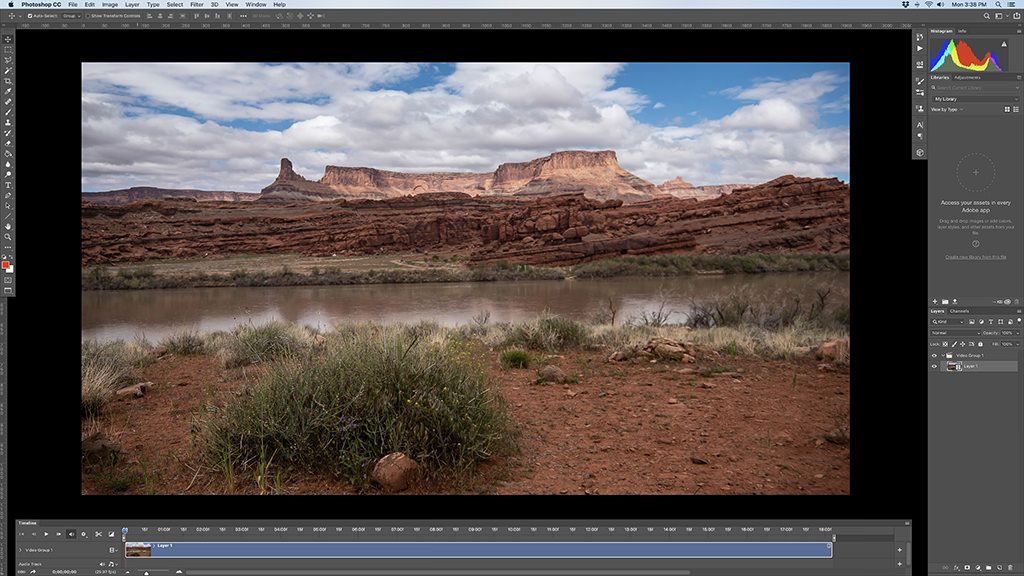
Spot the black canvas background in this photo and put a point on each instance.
(888, 279)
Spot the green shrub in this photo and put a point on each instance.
(547, 333)
(145, 272)
(674, 265)
(370, 393)
(255, 344)
(184, 343)
(515, 358)
(567, 333)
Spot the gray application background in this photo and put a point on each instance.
(975, 435)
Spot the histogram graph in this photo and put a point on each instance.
(974, 55)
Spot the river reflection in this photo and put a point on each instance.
(154, 314)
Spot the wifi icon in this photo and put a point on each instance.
(929, 3)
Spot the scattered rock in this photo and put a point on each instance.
(546, 223)
(839, 436)
(834, 350)
(551, 374)
(395, 471)
(670, 352)
(97, 445)
(782, 438)
(666, 349)
(618, 356)
(134, 391)
(702, 352)
(696, 460)
(673, 401)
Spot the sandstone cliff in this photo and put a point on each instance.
(290, 187)
(115, 197)
(674, 184)
(594, 174)
(682, 189)
(372, 183)
(788, 214)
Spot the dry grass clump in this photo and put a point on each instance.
(249, 344)
(108, 366)
(369, 391)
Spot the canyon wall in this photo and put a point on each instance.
(788, 214)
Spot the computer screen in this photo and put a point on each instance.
(511, 289)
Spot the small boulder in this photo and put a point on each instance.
(618, 356)
(668, 350)
(134, 391)
(551, 374)
(97, 445)
(834, 350)
(782, 439)
(545, 223)
(395, 472)
(839, 435)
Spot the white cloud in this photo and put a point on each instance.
(205, 126)
(800, 91)
(770, 114)
(229, 91)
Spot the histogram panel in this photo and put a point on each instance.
(968, 55)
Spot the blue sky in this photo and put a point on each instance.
(226, 126)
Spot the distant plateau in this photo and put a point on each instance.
(563, 209)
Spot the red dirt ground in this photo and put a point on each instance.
(726, 426)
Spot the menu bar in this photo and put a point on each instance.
(914, 9)
(86, 13)
(895, 5)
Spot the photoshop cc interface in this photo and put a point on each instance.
(485, 288)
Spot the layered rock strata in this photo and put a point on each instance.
(788, 214)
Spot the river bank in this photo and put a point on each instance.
(296, 270)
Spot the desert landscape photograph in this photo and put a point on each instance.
(465, 278)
